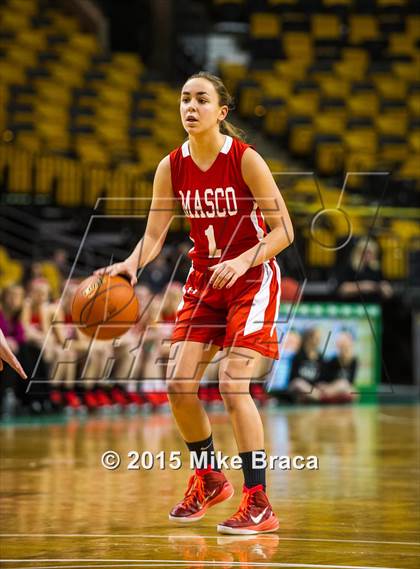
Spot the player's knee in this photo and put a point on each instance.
(233, 391)
(180, 391)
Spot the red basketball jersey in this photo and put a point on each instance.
(225, 219)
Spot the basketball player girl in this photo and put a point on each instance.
(231, 295)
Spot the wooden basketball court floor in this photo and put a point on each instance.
(61, 509)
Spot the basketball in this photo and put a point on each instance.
(105, 307)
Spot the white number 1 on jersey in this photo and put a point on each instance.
(213, 251)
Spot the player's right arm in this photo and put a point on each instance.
(158, 222)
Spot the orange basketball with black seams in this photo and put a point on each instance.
(105, 307)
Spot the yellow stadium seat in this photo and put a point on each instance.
(414, 104)
(54, 278)
(334, 108)
(333, 87)
(363, 105)
(392, 124)
(275, 87)
(410, 168)
(329, 123)
(317, 255)
(394, 257)
(326, 26)
(50, 113)
(401, 43)
(65, 75)
(405, 228)
(84, 43)
(276, 165)
(28, 7)
(331, 3)
(351, 70)
(34, 39)
(29, 141)
(115, 97)
(412, 26)
(75, 59)
(12, 72)
(264, 26)
(359, 161)
(22, 56)
(232, 73)
(390, 87)
(129, 61)
(291, 69)
(414, 141)
(391, 3)
(393, 150)
(250, 97)
(361, 140)
(12, 19)
(408, 71)
(329, 155)
(10, 273)
(90, 150)
(303, 104)
(301, 134)
(275, 118)
(290, 3)
(298, 46)
(53, 93)
(363, 27)
(357, 55)
(123, 78)
(63, 23)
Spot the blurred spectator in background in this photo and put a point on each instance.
(37, 317)
(362, 273)
(306, 368)
(157, 344)
(61, 261)
(340, 372)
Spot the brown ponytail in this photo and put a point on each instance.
(225, 98)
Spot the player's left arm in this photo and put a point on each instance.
(260, 181)
(6, 355)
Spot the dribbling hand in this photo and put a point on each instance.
(127, 268)
(9, 357)
(226, 274)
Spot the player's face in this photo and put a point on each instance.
(200, 108)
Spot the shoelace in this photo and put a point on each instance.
(244, 507)
(195, 490)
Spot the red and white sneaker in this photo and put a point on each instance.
(204, 490)
(255, 514)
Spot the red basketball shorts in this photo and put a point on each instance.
(244, 315)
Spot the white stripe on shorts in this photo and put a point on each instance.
(184, 290)
(278, 275)
(255, 320)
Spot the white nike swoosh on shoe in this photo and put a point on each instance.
(205, 448)
(212, 494)
(258, 518)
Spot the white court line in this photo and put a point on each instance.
(393, 419)
(97, 566)
(173, 563)
(153, 536)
